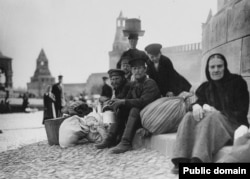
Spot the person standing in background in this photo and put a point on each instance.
(132, 31)
(49, 104)
(57, 90)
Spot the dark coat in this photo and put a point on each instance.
(230, 96)
(132, 53)
(167, 78)
(123, 90)
(48, 103)
(58, 92)
(142, 93)
(106, 91)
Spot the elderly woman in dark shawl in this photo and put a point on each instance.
(221, 107)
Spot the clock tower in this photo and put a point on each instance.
(42, 76)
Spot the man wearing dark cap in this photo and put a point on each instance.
(121, 87)
(142, 92)
(119, 82)
(106, 93)
(161, 69)
(57, 90)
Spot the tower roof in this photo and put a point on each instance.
(210, 14)
(121, 14)
(42, 56)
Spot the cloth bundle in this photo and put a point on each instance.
(163, 115)
(240, 152)
(76, 130)
(79, 108)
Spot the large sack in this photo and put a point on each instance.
(163, 115)
(76, 130)
(70, 132)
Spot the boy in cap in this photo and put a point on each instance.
(161, 69)
(125, 66)
(142, 92)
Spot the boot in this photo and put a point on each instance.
(121, 148)
(110, 141)
(128, 134)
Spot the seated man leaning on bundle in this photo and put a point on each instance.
(142, 92)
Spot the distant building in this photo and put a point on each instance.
(222, 3)
(5, 72)
(42, 76)
(94, 83)
(74, 89)
(120, 42)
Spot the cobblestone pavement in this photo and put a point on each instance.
(26, 154)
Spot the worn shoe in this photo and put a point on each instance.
(121, 148)
(175, 169)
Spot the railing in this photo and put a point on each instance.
(183, 48)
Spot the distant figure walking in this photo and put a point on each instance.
(49, 104)
(25, 101)
(57, 90)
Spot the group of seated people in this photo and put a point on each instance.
(140, 78)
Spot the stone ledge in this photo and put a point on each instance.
(164, 144)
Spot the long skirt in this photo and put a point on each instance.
(203, 139)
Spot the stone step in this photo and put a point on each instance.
(164, 143)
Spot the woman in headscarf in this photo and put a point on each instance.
(221, 107)
(48, 102)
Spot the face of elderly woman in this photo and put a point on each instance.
(216, 68)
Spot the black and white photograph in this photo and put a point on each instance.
(116, 89)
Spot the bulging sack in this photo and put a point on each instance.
(163, 115)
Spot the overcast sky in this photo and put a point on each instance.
(77, 35)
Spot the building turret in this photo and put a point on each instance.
(42, 76)
(120, 43)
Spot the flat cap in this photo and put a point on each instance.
(153, 49)
(137, 62)
(116, 72)
(125, 59)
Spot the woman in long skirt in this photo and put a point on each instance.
(221, 107)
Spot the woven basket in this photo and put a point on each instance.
(52, 129)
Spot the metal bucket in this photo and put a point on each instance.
(108, 117)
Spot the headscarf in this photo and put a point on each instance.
(226, 71)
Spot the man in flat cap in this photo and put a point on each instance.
(57, 90)
(106, 93)
(161, 69)
(121, 87)
(142, 92)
